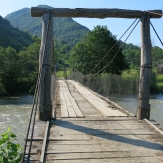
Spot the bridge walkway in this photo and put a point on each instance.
(87, 132)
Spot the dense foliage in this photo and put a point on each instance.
(64, 28)
(10, 36)
(19, 70)
(10, 152)
(61, 54)
(87, 54)
(133, 52)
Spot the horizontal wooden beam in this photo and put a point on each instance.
(94, 13)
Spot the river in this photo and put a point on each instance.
(130, 104)
(15, 111)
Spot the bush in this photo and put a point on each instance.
(9, 151)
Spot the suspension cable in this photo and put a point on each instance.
(156, 33)
(117, 51)
(35, 100)
(113, 46)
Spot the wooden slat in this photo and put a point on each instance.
(70, 104)
(64, 110)
(98, 103)
(104, 155)
(44, 143)
(147, 159)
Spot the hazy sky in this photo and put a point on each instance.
(116, 25)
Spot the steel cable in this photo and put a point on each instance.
(156, 33)
(117, 51)
(113, 45)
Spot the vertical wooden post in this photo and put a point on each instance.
(46, 49)
(143, 110)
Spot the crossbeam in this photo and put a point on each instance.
(94, 13)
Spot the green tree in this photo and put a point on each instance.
(157, 54)
(87, 54)
(132, 53)
(10, 70)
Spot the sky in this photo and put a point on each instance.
(116, 25)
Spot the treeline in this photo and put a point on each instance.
(133, 53)
(19, 69)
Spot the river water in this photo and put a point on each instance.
(130, 104)
(15, 111)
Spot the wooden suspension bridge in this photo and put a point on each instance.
(81, 126)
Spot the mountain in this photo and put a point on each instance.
(64, 28)
(10, 36)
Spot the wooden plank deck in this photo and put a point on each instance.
(99, 136)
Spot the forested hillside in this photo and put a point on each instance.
(64, 28)
(10, 36)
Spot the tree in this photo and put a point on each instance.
(87, 54)
(132, 54)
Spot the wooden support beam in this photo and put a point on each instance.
(143, 110)
(94, 13)
(46, 49)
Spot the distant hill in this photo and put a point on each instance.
(10, 36)
(64, 28)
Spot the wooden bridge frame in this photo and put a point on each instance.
(46, 49)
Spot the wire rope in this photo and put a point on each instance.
(117, 51)
(156, 33)
(113, 45)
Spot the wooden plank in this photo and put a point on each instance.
(73, 102)
(93, 13)
(76, 109)
(101, 118)
(64, 110)
(147, 159)
(71, 105)
(99, 104)
(99, 132)
(104, 155)
(44, 143)
(152, 125)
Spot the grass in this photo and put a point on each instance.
(130, 74)
(60, 74)
(160, 78)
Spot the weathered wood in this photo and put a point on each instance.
(106, 155)
(44, 143)
(143, 110)
(46, 49)
(156, 128)
(69, 108)
(93, 13)
(111, 160)
(98, 103)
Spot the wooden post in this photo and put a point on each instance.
(143, 110)
(46, 49)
